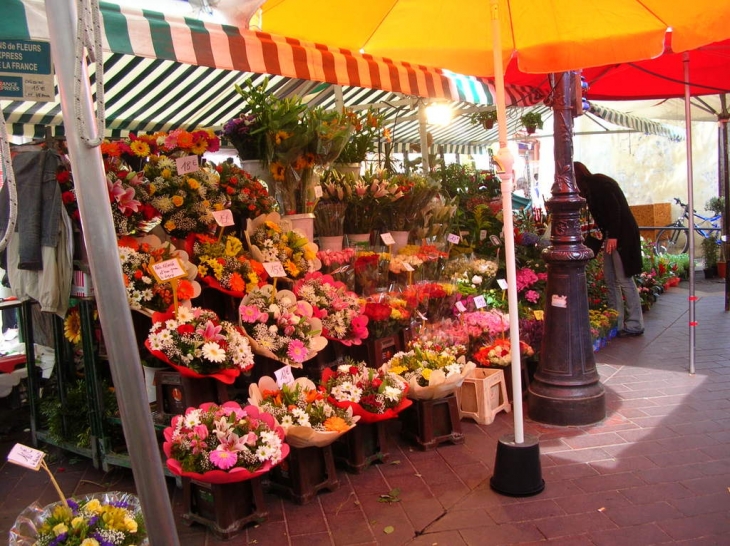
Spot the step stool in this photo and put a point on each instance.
(482, 395)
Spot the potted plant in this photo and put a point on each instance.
(486, 118)
(532, 121)
(716, 205)
(710, 250)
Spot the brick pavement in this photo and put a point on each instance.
(655, 471)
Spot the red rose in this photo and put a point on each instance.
(185, 329)
(63, 176)
(68, 197)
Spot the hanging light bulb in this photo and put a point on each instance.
(439, 113)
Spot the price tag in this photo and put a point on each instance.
(223, 217)
(422, 316)
(169, 270)
(26, 456)
(318, 191)
(387, 239)
(407, 266)
(284, 376)
(453, 238)
(559, 301)
(502, 284)
(480, 302)
(496, 241)
(274, 269)
(187, 164)
(341, 269)
(539, 315)
(482, 234)
(460, 306)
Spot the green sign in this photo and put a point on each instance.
(26, 71)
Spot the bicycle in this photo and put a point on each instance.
(673, 239)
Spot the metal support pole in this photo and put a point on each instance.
(423, 133)
(106, 273)
(691, 203)
(723, 161)
(566, 389)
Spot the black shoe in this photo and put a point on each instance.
(626, 333)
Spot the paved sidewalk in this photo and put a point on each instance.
(655, 471)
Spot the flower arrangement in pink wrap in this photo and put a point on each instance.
(198, 344)
(280, 326)
(224, 444)
(339, 309)
(374, 395)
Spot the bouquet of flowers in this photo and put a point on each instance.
(223, 265)
(482, 326)
(499, 353)
(339, 264)
(417, 191)
(130, 200)
(223, 444)
(331, 131)
(280, 326)
(371, 271)
(303, 411)
(374, 395)
(249, 198)
(431, 370)
(112, 518)
(368, 126)
(472, 276)
(387, 313)
(198, 344)
(270, 241)
(434, 300)
(143, 292)
(340, 310)
(366, 198)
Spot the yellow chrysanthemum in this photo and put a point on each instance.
(166, 173)
(273, 226)
(72, 327)
(233, 246)
(151, 189)
(202, 270)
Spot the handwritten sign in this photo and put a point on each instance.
(284, 376)
(407, 266)
(453, 238)
(223, 217)
(482, 234)
(341, 269)
(187, 164)
(460, 306)
(318, 191)
(387, 239)
(274, 269)
(502, 284)
(480, 302)
(496, 241)
(169, 270)
(26, 456)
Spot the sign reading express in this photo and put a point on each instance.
(25, 70)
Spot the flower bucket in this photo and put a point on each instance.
(400, 238)
(358, 239)
(333, 242)
(302, 222)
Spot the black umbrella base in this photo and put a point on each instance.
(517, 471)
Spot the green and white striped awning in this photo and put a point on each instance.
(164, 72)
(637, 123)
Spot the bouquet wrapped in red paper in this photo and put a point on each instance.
(224, 444)
(198, 344)
(374, 395)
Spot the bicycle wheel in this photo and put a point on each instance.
(671, 241)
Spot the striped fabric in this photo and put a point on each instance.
(637, 123)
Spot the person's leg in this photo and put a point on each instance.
(633, 320)
(615, 300)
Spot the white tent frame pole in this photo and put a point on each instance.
(505, 159)
(691, 204)
(106, 273)
(423, 135)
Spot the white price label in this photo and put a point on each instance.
(502, 284)
(387, 239)
(482, 234)
(341, 269)
(407, 266)
(318, 191)
(284, 376)
(26, 456)
(223, 217)
(187, 164)
(496, 241)
(460, 306)
(169, 270)
(274, 269)
(480, 302)
(453, 238)
(559, 301)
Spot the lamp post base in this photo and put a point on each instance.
(566, 406)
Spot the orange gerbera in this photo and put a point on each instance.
(336, 424)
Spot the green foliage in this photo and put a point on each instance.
(710, 249)
(532, 119)
(716, 205)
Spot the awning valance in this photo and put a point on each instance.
(637, 123)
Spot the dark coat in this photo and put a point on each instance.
(613, 217)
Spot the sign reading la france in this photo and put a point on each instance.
(26, 71)
(169, 270)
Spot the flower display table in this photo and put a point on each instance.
(306, 472)
(176, 393)
(482, 395)
(364, 445)
(430, 423)
(224, 508)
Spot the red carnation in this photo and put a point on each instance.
(184, 329)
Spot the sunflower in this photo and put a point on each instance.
(72, 326)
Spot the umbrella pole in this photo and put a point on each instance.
(517, 469)
(691, 204)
